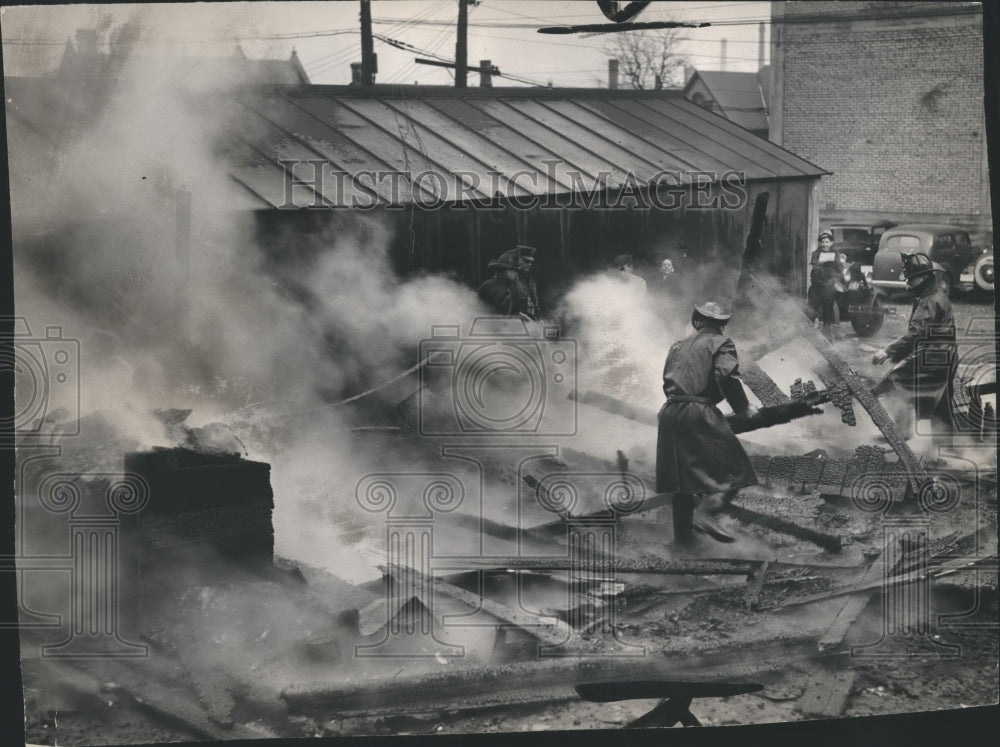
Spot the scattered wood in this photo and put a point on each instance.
(935, 569)
(211, 685)
(752, 274)
(559, 525)
(707, 567)
(851, 609)
(549, 630)
(140, 688)
(829, 542)
(827, 697)
(544, 680)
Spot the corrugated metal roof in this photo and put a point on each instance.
(472, 143)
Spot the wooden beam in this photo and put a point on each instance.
(708, 567)
(547, 629)
(851, 609)
(940, 569)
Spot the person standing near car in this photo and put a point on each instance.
(927, 355)
(512, 291)
(825, 273)
(698, 458)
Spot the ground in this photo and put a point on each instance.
(224, 648)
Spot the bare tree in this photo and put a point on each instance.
(648, 57)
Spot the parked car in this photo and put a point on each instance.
(858, 241)
(979, 272)
(949, 246)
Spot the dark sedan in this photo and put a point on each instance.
(949, 246)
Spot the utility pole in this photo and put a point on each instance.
(369, 65)
(462, 45)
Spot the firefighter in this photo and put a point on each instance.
(511, 291)
(825, 273)
(927, 355)
(698, 458)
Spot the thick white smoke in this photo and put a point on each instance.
(98, 258)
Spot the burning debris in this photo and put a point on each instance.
(394, 552)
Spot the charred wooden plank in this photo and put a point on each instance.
(549, 630)
(851, 609)
(618, 565)
(829, 542)
(549, 679)
(761, 384)
(610, 692)
(934, 570)
(559, 525)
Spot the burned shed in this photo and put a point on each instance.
(457, 177)
(583, 175)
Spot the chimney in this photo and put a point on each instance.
(722, 53)
(485, 74)
(689, 72)
(612, 74)
(760, 45)
(86, 41)
(356, 74)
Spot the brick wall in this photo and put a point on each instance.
(892, 106)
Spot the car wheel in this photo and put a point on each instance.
(867, 323)
(983, 273)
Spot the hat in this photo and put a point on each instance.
(825, 235)
(712, 310)
(525, 252)
(621, 260)
(915, 265)
(917, 269)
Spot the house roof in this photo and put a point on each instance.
(90, 63)
(518, 141)
(740, 97)
(446, 144)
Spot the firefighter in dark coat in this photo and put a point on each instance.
(926, 356)
(697, 453)
(511, 291)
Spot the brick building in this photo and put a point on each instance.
(889, 97)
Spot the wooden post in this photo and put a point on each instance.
(462, 45)
(368, 66)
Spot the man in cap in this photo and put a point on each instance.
(926, 356)
(697, 453)
(626, 267)
(511, 291)
(826, 271)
